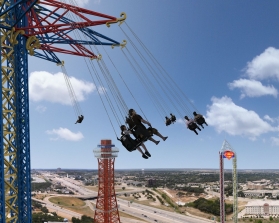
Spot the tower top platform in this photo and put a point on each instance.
(105, 150)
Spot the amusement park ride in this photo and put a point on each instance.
(227, 152)
(42, 28)
(29, 27)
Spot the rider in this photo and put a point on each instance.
(168, 121)
(192, 125)
(80, 118)
(126, 133)
(138, 120)
(173, 118)
(199, 119)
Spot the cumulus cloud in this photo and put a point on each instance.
(41, 109)
(44, 86)
(252, 88)
(224, 115)
(180, 121)
(66, 134)
(267, 118)
(264, 66)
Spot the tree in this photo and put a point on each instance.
(44, 209)
(123, 188)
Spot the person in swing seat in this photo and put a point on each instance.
(134, 143)
(172, 118)
(168, 121)
(138, 120)
(199, 119)
(80, 118)
(192, 125)
(138, 135)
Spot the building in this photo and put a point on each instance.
(151, 183)
(261, 193)
(262, 207)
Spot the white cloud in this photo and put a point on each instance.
(41, 109)
(225, 115)
(264, 66)
(66, 134)
(252, 88)
(180, 121)
(267, 118)
(44, 86)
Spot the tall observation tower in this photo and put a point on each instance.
(106, 206)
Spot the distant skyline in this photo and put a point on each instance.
(224, 55)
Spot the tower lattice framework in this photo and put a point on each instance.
(106, 205)
(29, 27)
(227, 152)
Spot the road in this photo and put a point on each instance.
(146, 213)
(59, 211)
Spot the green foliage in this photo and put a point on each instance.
(84, 219)
(44, 209)
(160, 199)
(195, 190)
(210, 206)
(123, 188)
(241, 194)
(229, 190)
(259, 221)
(168, 200)
(37, 217)
(271, 218)
(40, 186)
(36, 204)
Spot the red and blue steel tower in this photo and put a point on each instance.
(106, 205)
(29, 27)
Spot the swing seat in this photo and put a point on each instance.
(129, 143)
(168, 122)
(192, 126)
(200, 120)
(141, 132)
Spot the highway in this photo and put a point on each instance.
(146, 213)
(151, 214)
(59, 211)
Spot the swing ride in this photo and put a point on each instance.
(42, 29)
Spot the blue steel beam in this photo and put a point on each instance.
(18, 8)
(2, 179)
(22, 123)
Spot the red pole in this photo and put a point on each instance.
(222, 200)
(106, 205)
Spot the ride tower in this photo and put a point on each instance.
(227, 152)
(29, 27)
(106, 205)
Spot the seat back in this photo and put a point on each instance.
(129, 143)
(192, 126)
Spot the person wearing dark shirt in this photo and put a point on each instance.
(138, 120)
(172, 118)
(199, 119)
(192, 125)
(126, 133)
(168, 121)
(80, 118)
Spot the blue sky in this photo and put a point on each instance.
(224, 55)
